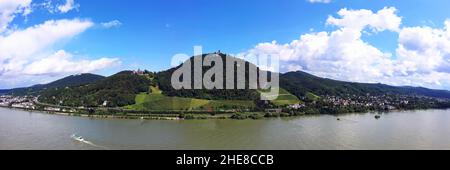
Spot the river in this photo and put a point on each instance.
(423, 129)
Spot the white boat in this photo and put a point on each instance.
(78, 138)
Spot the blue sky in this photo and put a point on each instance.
(152, 31)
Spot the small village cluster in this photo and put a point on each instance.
(25, 102)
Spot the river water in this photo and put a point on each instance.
(424, 129)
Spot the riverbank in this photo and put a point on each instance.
(169, 116)
(198, 116)
(129, 116)
(33, 104)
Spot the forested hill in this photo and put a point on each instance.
(4, 91)
(164, 82)
(73, 80)
(117, 90)
(300, 83)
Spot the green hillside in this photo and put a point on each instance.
(118, 90)
(164, 82)
(301, 83)
(285, 98)
(157, 101)
(70, 81)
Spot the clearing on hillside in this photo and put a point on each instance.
(156, 101)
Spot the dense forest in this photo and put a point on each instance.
(117, 90)
(300, 83)
(164, 82)
(70, 81)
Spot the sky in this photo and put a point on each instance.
(395, 42)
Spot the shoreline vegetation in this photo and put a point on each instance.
(176, 108)
(200, 116)
(150, 116)
(312, 105)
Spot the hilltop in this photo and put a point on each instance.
(117, 90)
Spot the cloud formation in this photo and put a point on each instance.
(111, 24)
(61, 62)
(421, 59)
(37, 41)
(68, 6)
(29, 54)
(319, 1)
(10, 8)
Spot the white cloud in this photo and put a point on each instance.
(38, 38)
(10, 8)
(340, 54)
(385, 19)
(424, 49)
(294, 67)
(111, 24)
(26, 54)
(421, 59)
(62, 62)
(32, 55)
(319, 1)
(68, 6)
(47, 5)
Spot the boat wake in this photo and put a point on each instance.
(82, 140)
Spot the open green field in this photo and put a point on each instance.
(312, 96)
(155, 90)
(285, 98)
(158, 102)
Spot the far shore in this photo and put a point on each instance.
(171, 117)
(110, 116)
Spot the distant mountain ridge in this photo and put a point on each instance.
(73, 80)
(299, 83)
(117, 90)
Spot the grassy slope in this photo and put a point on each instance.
(312, 97)
(285, 98)
(157, 101)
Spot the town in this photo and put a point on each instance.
(329, 104)
(24, 102)
(31, 103)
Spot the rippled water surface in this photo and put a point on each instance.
(427, 129)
